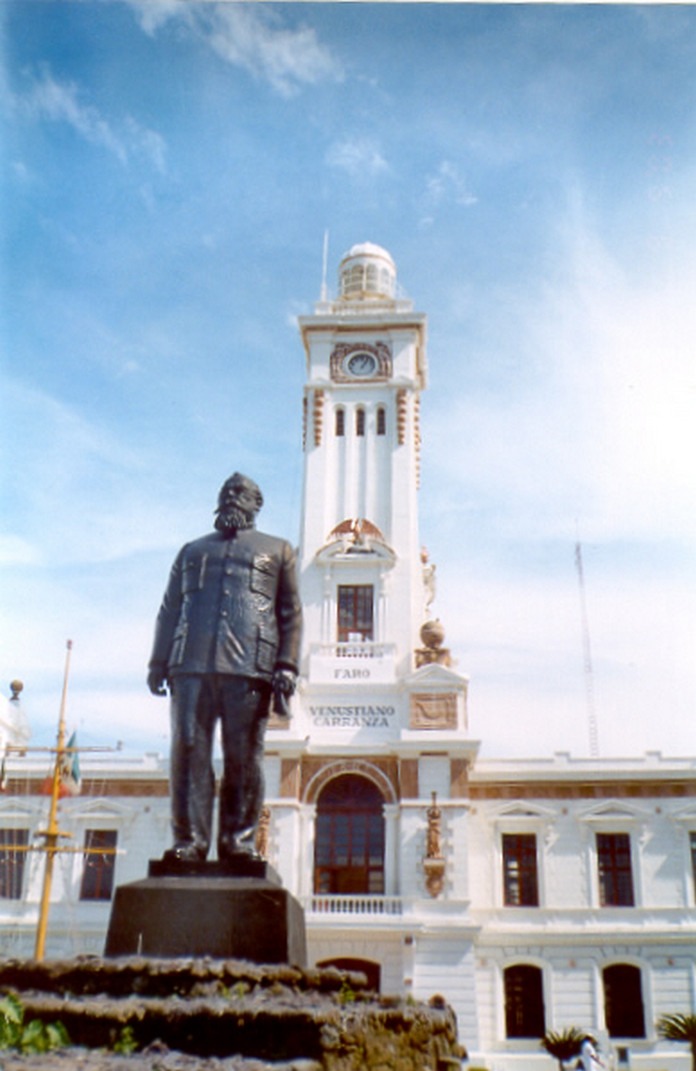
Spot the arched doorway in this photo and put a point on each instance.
(349, 837)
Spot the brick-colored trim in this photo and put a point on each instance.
(569, 790)
(317, 771)
(94, 787)
(459, 779)
(290, 779)
(409, 778)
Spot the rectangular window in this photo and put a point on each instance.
(520, 883)
(614, 870)
(355, 612)
(99, 864)
(13, 857)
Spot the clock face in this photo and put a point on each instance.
(361, 364)
(357, 362)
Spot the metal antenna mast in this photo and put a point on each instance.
(325, 257)
(587, 658)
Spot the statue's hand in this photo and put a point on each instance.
(157, 679)
(284, 684)
(285, 681)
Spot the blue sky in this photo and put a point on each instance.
(168, 173)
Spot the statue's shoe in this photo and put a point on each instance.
(184, 853)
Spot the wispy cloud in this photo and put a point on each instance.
(360, 157)
(445, 187)
(62, 102)
(153, 14)
(66, 468)
(599, 427)
(252, 37)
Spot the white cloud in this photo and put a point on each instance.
(60, 102)
(146, 142)
(251, 37)
(518, 635)
(360, 157)
(597, 422)
(254, 39)
(447, 186)
(152, 14)
(80, 487)
(16, 551)
(21, 171)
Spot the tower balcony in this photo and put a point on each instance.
(352, 662)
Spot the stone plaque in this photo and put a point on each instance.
(432, 711)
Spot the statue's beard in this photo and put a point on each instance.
(231, 518)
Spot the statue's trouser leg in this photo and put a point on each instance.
(245, 705)
(192, 782)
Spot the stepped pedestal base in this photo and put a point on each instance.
(232, 910)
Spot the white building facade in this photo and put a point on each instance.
(533, 895)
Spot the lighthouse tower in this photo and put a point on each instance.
(370, 775)
(360, 558)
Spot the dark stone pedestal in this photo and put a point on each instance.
(232, 910)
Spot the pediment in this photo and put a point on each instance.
(524, 811)
(368, 552)
(99, 807)
(687, 815)
(613, 810)
(356, 540)
(15, 808)
(436, 676)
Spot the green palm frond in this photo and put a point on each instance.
(677, 1028)
(563, 1044)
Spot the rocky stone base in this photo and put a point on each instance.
(225, 1015)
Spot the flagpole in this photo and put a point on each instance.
(52, 832)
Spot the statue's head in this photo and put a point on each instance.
(239, 501)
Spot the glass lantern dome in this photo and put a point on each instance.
(367, 273)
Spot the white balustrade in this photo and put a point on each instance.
(320, 904)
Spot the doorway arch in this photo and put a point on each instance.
(349, 837)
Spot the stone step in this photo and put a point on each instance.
(213, 1010)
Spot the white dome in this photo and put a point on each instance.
(367, 272)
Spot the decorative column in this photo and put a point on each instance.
(391, 841)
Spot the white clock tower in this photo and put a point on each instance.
(368, 783)
(360, 558)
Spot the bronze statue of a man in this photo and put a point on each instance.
(227, 638)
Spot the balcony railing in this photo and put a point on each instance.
(354, 649)
(354, 905)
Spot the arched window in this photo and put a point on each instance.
(340, 421)
(524, 1002)
(381, 420)
(359, 421)
(623, 1001)
(349, 841)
